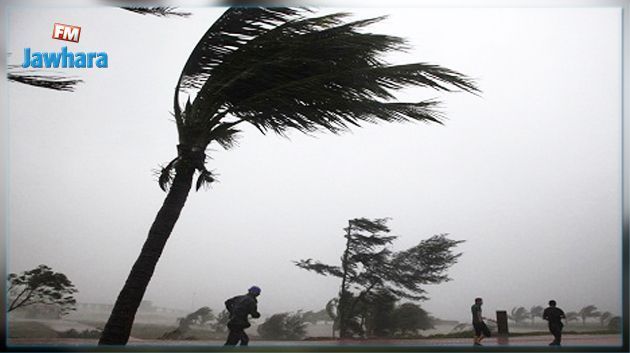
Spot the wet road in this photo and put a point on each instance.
(526, 341)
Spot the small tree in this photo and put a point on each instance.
(41, 286)
(588, 311)
(409, 318)
(536, 311)
(572, 316)
(604, 317)
(220, 322)
(201, 316)
(614, 323)
(519, 314)
(284, 326)
(381, 317)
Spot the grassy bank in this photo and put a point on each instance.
(36, 330)
(30, 329)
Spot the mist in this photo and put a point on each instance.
(528, 173)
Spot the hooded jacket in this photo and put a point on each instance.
(239, 308)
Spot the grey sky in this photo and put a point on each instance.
(529, 173)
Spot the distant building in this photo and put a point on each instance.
(147, 312)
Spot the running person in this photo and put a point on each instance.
(554, 316)
(240, 307)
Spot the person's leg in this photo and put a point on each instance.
(233, 338)
(478, 337)
(244, 339)
(554, 329)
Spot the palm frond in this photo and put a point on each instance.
(54, 82)
(205, 179)
(159, 11)
(279, 70)
(166, 175)
(307, 74)
(225, 135)
(234, 29)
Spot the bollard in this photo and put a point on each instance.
(502, 328)
(502, 323)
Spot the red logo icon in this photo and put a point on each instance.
(65, 32)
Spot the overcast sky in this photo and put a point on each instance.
(528, 173)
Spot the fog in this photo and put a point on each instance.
(528, 173)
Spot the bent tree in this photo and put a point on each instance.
(40, 286)
(276, 69)
(369, 266)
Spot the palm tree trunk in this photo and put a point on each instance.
(118, 327)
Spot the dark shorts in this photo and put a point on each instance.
(480, 327)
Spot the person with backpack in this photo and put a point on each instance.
(240, 307)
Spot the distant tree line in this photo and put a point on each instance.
(520, 315)
(283, 326)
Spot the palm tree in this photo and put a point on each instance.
(277, 70)
(605, 316)
(536, 311)
(572, 316)
(519, 314)
(588, 311)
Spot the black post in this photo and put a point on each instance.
(502, 327)
(502, 323)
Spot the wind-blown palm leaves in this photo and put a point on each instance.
(54, 81)
(159, 11)
(277, 70)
